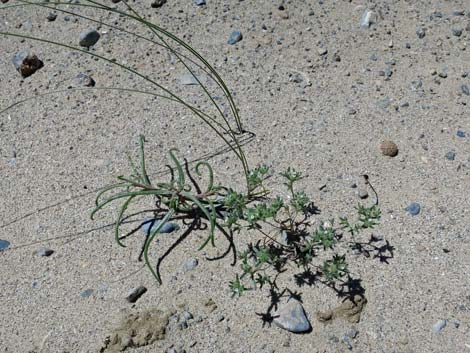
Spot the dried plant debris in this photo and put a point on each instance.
(138, 330)
(350, 310)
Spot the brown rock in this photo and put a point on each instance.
(389, 148)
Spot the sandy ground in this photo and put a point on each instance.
(324, 113)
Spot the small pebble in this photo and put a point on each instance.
(460, 133)
(51, 16)
(384, 103)
(421, 33)
(363, 194)
(89, 38)
(389, 148)
(439, 326)
(4, 244)
(235, 37)
(150, 225)
(457, 32)
(465, 90)
(188, 79)
(86, 293)
(367, 19)
(413, 208)
(347, 342)
(26, 64)
(450, 155)
(44, 252)
(199, 2)
(322, 51)
(85, 80)
(158, 3)
(135, 294)
(187, 315)
(190, 264)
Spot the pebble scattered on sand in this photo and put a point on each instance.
(135, 294)
(291, 317)
(389, 148)
(4, 244)
(26, 63)
(89, 38)
(191, 264)
(87, 293)
(44, 252)
(152, 224)
(188, 79)
(461, 133)
(421, 33)
(367, 19)
(450, 155)
(51, 16)
(413, 208)
(158, 3)
(199, 2)
(85, 80)
(465, 90)
(235, 37)
(439, 326)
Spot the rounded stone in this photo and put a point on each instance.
(89, 38)
(389, 148)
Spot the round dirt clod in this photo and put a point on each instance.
(389, 148)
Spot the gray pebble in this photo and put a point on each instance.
(89, 38)
(158, 3)
(413, 208)
(450, 155)
(439, 326)
(363, 194)
(188, 79)
(235, 37)
(186, 315)
(347, 342)
(183, 325)
(456, 323)
(352, 333)
(51, 16)
(86, 293)
(150, 225)
(4, 244)
(199, 2)
(458, 13)
(291, 317)
(461, 133)
(190, 265)
(384, 103)
(465, 90)
(388, 72)
(44, 252)
(135, 294)
(457, 32)
(322, 51)
(421, 33)
(85, 80)
(367, 19)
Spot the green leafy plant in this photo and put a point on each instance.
(286, 235)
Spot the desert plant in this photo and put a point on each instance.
(284, 224)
